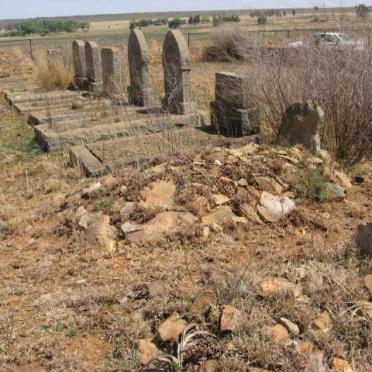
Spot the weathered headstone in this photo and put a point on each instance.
(301, 125)
(363, 239)
(177, 74)
(112, 72)
(78, 55)
(140, 92)
(93, 65)
(232, 112)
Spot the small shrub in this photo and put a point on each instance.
(313, 187)
(104, 204)
(262, 20)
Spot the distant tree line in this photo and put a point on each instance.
(219, 19)
(44, 27)
(271, 13)
(148, 22)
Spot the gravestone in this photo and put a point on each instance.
(93, 65)
(112, 74)
(301, 125)
(140, 92)
(78, 55)
(177, 74)
(232, 111)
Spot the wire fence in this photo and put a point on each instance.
(271, 38)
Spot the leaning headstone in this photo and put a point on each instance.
(232, 111)
(177, 74)
(112, 72)
(93, 65)
(301, 125)
(78, 55)
(140, 92)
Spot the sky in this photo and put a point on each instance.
(51, 8)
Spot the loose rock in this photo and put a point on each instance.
(276, 333)
(147, 350)
(290, 326)
(322, 323)
(203, 302)
(231, 318)
(273, 208)
(273, 286)
(341, 365)
(172, 328)
(91, 189)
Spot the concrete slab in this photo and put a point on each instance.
(139, 150)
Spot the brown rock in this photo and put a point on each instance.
(220, 199)
(231, 318)
(316, 359)
(368, 283)
(165, 223)
(200, 206)
(203, 302)
(323, 322)
(343, 179)
(102, 233)
(290, 326)
(172, 328)
(147, 350)
(94, 187)
(159, 194)
(248, 211)
(276, 333)
(257, 370)
(110, 181)
(243, 182)
(313, 281)
(269, 185)
(219, 216)
(273, 286)
(341, 365)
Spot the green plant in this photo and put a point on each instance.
(262, 20)
(312, 186)
(189, 339)
(103, 204)
(175, 23)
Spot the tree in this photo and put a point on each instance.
(261, 20)
(362, 11)
(294, 12)
(175, 23)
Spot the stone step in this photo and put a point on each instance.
(33, 97)
(60, 115)
(51, 140)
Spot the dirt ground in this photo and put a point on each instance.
(70, 302)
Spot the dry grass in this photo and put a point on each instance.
(53, 73)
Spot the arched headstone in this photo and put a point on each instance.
(78, 55)
(93, 65)
(177, 74)
(140, 92)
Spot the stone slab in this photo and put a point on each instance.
(141, 149)
(51, 140)
(89, 165)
